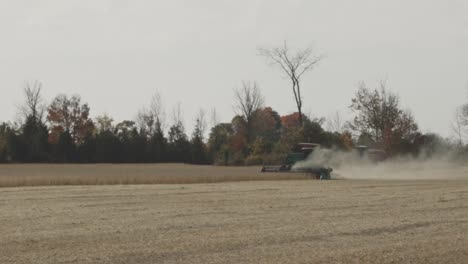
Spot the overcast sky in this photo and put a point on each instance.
(116, 54)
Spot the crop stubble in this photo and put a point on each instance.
(304, 221)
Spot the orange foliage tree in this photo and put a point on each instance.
(264, 121)
(69, 115)
(291, 121)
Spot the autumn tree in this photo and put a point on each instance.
(238, 140)
(266, 119)
(292, 120)
(347, 140)
(266, 124)
(379, 115)
(294, 65)
(69, 114)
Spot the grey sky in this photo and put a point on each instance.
(116, 54)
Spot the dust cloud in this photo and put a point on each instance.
(351, 165)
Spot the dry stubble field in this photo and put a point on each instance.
(14, 175)
(298, 221)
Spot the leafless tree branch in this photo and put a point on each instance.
(152, 119)
(249, 99)
(34, 103)
(294, 65)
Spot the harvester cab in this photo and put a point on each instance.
(301, 152)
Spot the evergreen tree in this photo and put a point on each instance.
(86, 151)
(158, 146)
(108, 147)
(34, 140)
(65, 149)
(5, 153)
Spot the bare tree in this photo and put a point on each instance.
(294, 65)
(177, 114)
(249, 99)
(177, 129)
(214, 117)
(145, 121)
(200, 126)
(157, 110)
(34, 105)
(202, 123)
(459, 123)
(152, 119)
(464, 114)
(335, 123)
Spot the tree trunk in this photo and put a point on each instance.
(300, 116)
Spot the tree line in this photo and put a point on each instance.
(63, 131)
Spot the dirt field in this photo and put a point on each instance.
(12, 175)
(303, 221)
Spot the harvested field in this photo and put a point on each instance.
(304, 221)
(14, 175)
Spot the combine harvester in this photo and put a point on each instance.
(300, 153)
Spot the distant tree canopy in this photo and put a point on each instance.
(257, 134)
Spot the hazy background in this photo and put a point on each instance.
(116, 54)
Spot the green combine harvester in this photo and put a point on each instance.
(300, 153)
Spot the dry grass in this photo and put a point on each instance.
(361, 221)
(108, 174)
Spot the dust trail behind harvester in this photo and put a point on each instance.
(349, 165)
